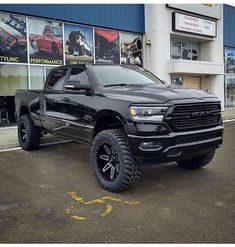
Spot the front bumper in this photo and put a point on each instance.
(176, 146)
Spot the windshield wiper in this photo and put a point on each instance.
(122, 85)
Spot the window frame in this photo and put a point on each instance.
(49, 77)
(181, 49)
(68, 75)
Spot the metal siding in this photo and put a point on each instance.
(229, 25)
(128, 17)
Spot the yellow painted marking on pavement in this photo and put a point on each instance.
(78, 217)
(111, 199)
(109, 209)
(103, 200)
(69, 209)
(98, 200)
(75, 196)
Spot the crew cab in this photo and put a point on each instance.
(128, 116)
(50, 41)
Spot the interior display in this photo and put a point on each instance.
(46, 42)
(131, 49)
(78, 44)
(106, 46)
(13, 40)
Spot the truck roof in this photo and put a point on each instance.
(93, 64)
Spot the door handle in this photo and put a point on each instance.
(66, 99)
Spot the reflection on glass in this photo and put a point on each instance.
(185, 50)
(12, 77)
(230, 90)
(176, 50)
(38, 75)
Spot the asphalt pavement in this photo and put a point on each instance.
(51, 196)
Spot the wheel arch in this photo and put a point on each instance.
(24, 110)
(108, 119)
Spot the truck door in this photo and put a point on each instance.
(50, 103)
(76, 113)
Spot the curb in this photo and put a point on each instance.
(50, 140)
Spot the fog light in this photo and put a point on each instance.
(145, 145)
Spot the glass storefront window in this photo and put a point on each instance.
(177, 81)
(175, 50)
(38, 75)
(185, 50)
(230, 90)
(12, 78)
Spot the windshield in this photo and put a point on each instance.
(57, 31)
(120, 75)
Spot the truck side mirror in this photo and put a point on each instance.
(76, 86)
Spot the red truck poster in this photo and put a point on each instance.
(131, 49)
(107, 46)
(46, 42)
(13, 39)
(78, 44)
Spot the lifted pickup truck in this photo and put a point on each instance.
(128, 116)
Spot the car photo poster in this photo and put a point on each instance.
(78, 44)
(13, 39)
(230, 60)
(106, 46)
(46, 42)
(131, 49)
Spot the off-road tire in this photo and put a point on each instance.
(32, 140)
(129, 170)
(198, 162)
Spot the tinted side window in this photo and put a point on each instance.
(57, 79)
(79, 74)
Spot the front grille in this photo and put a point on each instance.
(194, 116)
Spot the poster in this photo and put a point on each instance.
(131, 49)
(13, 39)
(46, 43)
(230, 60)
(78, 44)
(106, 46)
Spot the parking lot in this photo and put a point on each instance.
(51, 195)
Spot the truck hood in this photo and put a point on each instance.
(156, 93)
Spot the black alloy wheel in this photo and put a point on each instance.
(108, 162)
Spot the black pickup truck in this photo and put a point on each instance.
(128, 115)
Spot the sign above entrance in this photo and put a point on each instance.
(192, 24)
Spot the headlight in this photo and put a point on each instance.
(143, 113)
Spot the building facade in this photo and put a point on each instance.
(184, 44)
